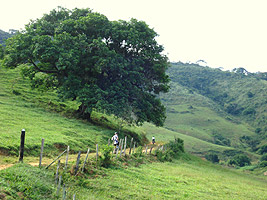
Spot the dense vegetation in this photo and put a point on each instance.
(113, 66)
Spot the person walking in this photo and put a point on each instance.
(115, 139)
(153, 140)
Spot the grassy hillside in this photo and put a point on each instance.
(197, 106)
(187, 178)
(42, 115)
(242, 95)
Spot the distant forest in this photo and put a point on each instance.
(5, 35)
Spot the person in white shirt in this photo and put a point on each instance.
(153, 140)
(115, 139)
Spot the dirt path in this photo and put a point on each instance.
(5, 166)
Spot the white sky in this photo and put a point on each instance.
(224, 33)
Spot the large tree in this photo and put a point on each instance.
(116, 66)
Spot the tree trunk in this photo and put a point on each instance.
(82, 112)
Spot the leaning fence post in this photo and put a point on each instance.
(125, 143)
(85, 159)
(146, 149)
(96, 154)
(22, 142)
(41, 154)
(77, 163)
(74, 196)
(150, 150)
(67, 157)
(108, 141)
(131, 146)
(56, 159)
(57, 172)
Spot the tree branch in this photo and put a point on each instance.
(41, 70)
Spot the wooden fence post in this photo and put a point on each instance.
(117, 151)
(146, 149)
(121, 147)
(67, 157)
(64, 192)
(96, 154)
(57, 172)
(150, 150)
(108, 141)
(131, 146)
(125, 144)
(85, 159)
(59, 184)
(22, 142)
(41, 154)
(77, 162)
(74, 196)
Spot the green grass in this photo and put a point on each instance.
(202, 123)
(183, 179)
(186, 178)
(24, 181)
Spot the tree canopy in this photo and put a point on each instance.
(115, 66)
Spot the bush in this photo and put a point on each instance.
(263, 149)
(138, 151)
(264, 157)
(177, 146)
(212, 157)
(263, 164)
(172, 150)
(240, 160)
(105, 157)
(166, 155)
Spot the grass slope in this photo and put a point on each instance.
(187, 178)
(193, 114)
(24, 108)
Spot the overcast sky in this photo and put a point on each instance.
(224, 33)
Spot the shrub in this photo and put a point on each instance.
(105, 157)
(212, 157)
(240, 160)
(264, 157)
(263, 149)
(172, 150)
(263, 164)
(166, 155)
(138, 151)
(177, 146)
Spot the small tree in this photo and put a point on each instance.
(212, 157)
